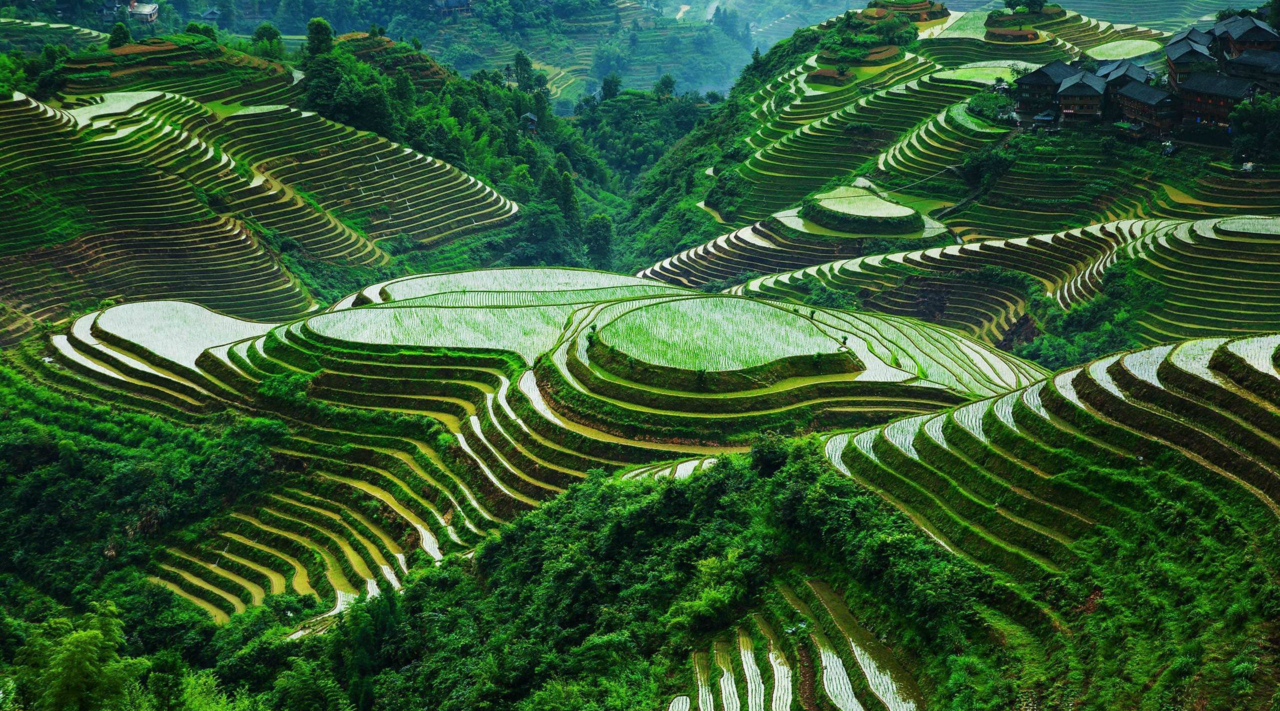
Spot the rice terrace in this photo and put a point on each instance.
(640, 355)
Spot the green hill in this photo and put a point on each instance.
(120, 179)
(425, 412)
(308, 400)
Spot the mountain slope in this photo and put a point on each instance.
(518, 388)
(148, 166)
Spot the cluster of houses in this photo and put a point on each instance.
(1209, 74)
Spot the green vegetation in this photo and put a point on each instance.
(860, 211)
(1074, 294)
(1254, 122)
(1124, 49)
(91, 490)
(631, 130)
(316, 394)
(1108, 323)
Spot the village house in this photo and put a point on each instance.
(1258, 65)
(453, 7)
(1238, 34)
(143, 11)
(1038, 90)
(139, 11)
(1210, 98)
(1196, 36)
(1150, 106)
(1081, 97)
(1186, 56)
(1118, 75)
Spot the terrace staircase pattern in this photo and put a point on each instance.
(763, 247)
(1220, 275)
(400, 454)
(902, 117)
(32, 36)
(152, 195)
(1002, 482)
(806, 157)
(191, 65)
(803, 643)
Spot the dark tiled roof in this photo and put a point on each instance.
(1187, 52)
(1245, 28)
(1053, 74)
(1261, 59)
(1118, 71)
(1216, 85)
(1083, 84)
(1143, 93)
(1191, 34)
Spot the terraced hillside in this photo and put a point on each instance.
(33, 36)
(427, 410)
(800, 237)
(799, 150)
(1167, 16)
(1081, 176)
(391, 57)
(965, 38)
(929, 158)
(153, 195)
(1055, 492)
(1028, 485)
(1219, 276)
(962, 40)
(804, 644)
(698, 56)
(192, 65)
(906, 118)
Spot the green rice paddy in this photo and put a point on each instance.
(1124, 49)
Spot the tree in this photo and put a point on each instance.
(165, 681)
(403, 92)
(610, 86)
(119, 36)
(10, 76)
(570, 207)
(598, 236)
(523, 71)
(290, 15)
(665, 86)
(81, 669)
(307, 686)
(319, 37)
(1254, 123)
(1032, 6)
(228, 14)
(195, 28)
(266, 32)
(344, 89)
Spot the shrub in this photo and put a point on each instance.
(992, 106)
(119, 36)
